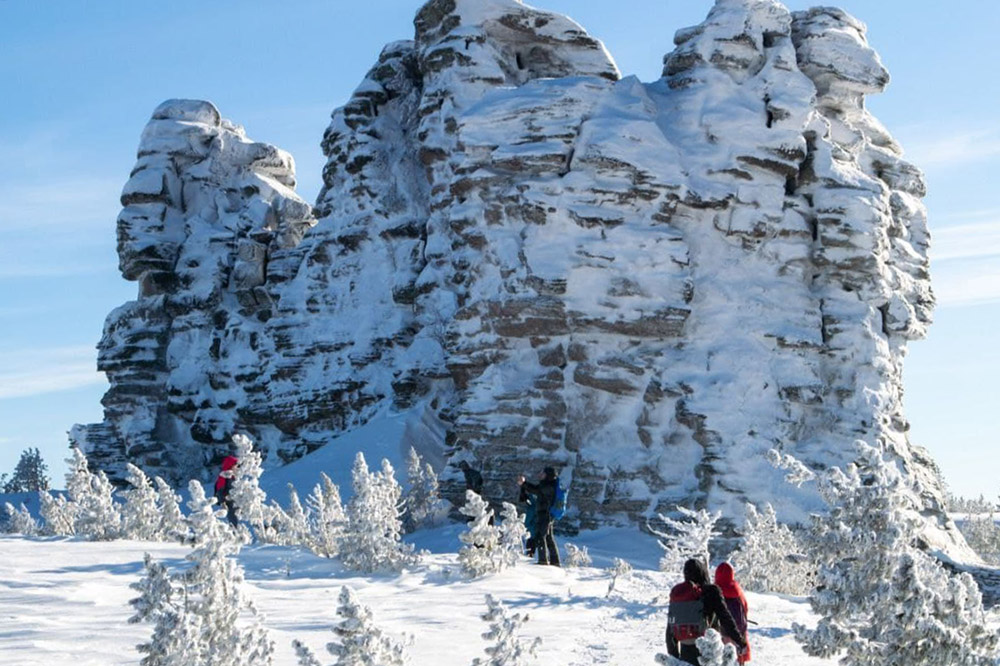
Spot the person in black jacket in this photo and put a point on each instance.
(544, 497)
(698, 602)
(473, 479)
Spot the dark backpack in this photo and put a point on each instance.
(558, 508)
(686, 614)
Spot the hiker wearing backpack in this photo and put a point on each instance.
(544, 495)
(736, 602)
(696, 606)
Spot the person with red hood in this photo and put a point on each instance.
(222, 485)
(736, 601)
(695, 606)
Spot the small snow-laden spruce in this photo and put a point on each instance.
(881, 600)
(424, 506)
(96, 515)
(140, 515)
(577, 556)
(482, 553)
(686, 539)
(57, 513)
(159, 604)
(304, 654)
(359, 641)
(246, 493)
(713, 652)
(296, 529)
(619, 569)
(373, 541)
(29, 475)
(173, 525)
(770, 556)
(512, 534)
(327, 518)
(507, 648)
(19, 520)
(213, 599)
(983, 536)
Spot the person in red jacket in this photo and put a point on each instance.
(222, 485)
(695, 606)
(736, 601)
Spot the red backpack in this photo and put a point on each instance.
(686, 614)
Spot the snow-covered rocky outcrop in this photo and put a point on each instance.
(648, 285)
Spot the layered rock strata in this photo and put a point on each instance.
(648, 285)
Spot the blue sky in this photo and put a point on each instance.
(79, 80)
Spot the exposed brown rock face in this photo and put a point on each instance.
(649, 285)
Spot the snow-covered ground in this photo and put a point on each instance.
(64, 601)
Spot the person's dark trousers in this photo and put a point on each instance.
(548, 553)
(689, 653)
(231, 513)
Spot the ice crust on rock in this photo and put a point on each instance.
(648, 284)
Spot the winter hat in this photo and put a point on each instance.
(229, 462)
(550, 472)
(725, 578)
(695, 572)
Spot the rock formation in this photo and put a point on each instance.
(649, 285)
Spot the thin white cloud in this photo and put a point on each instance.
(62, 206)
(25, 372)
(963, 241)
(970, 281)
(929, 148)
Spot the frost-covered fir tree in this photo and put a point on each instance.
(374, 536)
(20, 520)
(577, 556)
(140, 514)
(327, 518)
(96, 514)
(424, 506)
(296, 530)
(713, 652)
(246, 494)
(770, 556)
(983, 536)
(359, 641)
(512, 534)
(482, 553)
(686, 539)
(213, 600)
(173, 526)
(304, 654)
(31, 474)
(507, 648)
(881, 600)
(160, 604)
(58, 514)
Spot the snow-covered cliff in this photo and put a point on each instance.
(648, 285)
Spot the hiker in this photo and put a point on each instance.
(696, 606)
(736, 602)
(530, 521)
(473, 479)
(543, 495)
(223, 484)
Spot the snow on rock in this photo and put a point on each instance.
(648, 285)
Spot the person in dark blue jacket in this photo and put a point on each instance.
(543, 495)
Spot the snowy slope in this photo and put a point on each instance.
(65, 602)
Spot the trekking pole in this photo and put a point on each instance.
(756, 624)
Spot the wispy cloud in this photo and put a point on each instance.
(62, 205)
(930, 148)
(25, 372)
(969, 240)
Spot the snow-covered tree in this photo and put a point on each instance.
(20, 520)
(770, 556)
(482, 553)
(296, 530)
(160, 604)
(507, 648)
(246, 494)
(304, 654)
(359, 641)
(424, 506)
(140, 515)
(881, 600)
(713, 652)
(512, 534)
(686, 539)
(328, 520)
(983, 536)
(619, 569)
(58, 514)
(577, 556)
(173, 526)
(374, 536)
(96, 515)
(30, 474)
(198, 621)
